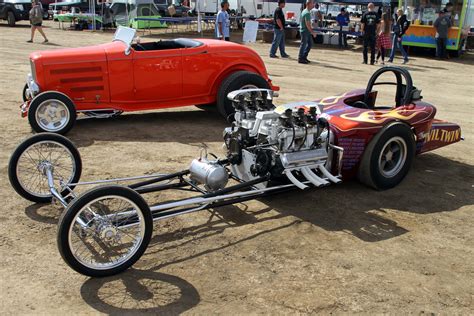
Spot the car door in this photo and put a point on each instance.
(198, 68)
(158, 75)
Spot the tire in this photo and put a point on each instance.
(58, 102)
(25, 97)
(16, 176)
(70, 217)
(236, 81)
(11, 19)
(383, 167)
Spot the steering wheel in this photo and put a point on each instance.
(140, 46)
(404, 91)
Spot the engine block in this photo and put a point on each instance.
(288, 142)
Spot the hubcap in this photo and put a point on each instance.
(392, 157)
(52, 115)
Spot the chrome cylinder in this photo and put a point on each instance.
(211, 174)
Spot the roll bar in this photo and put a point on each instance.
(405, 92)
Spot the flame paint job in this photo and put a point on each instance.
(103, 77)
(354, 127)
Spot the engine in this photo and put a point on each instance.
(291, 142)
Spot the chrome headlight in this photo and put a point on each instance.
(33, 69)
(19, 6)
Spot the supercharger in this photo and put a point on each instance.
(289, 142)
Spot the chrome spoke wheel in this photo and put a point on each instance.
(52, 115)
(393, 156)
(106, 232)
(36, 159)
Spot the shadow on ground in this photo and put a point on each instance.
(142, 292)
(156, 127)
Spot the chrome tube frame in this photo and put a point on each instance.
(49, 174)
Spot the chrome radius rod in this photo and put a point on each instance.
(167, 210)
(154, 176)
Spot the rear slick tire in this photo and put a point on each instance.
(388, 157)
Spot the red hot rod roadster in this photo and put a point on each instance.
(269, 150)
(105, 80)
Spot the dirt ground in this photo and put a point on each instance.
(341, 249)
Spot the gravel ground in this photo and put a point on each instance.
(341, 249)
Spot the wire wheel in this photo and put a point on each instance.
(105, 231)
(103, 243)
(392, 157)
(27, 169)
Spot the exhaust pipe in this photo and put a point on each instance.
(295, 181)
(313, 178)
(328, 175)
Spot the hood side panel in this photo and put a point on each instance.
(80, 73)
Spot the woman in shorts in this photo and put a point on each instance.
(36, 20)
(384, 42)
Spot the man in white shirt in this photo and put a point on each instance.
(223, 22)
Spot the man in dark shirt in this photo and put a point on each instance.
(279, 31)
(369, 24)
(442, 25)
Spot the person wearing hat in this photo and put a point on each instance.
(223, 22)
(342, 20)
(279, 31)
(442, 25)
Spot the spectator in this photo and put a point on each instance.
(279, 31)
(383, 40)
(306, 32)
(223, 22)
(399, 27)
(448, 9)
(369, 24)
(342, 20)
(36, 20)
(316, 15)
(442, 25)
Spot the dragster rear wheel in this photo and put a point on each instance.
(388, 157)
(29, 161)
(105, 231)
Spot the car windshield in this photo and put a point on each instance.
(125, 34)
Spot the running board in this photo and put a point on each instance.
(99, 114)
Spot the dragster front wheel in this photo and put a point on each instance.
(105, 231)
(27, 169)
